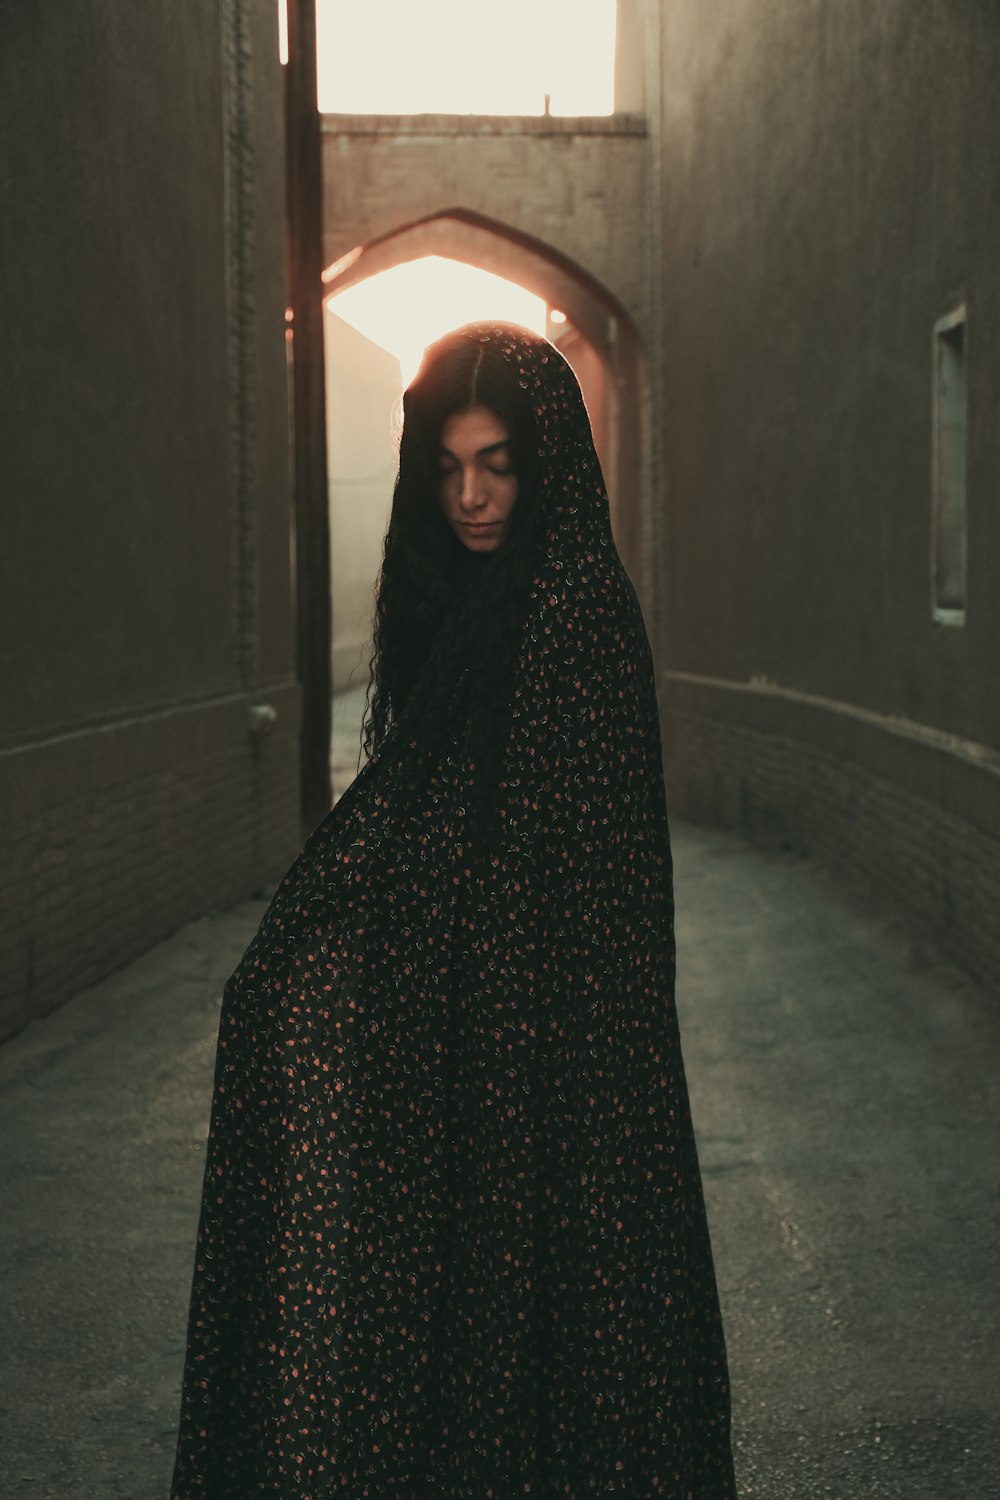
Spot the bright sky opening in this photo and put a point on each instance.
(406, 308)
(463, 57)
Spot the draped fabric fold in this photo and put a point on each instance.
(453, 1240)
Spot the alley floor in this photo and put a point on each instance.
(846, 1089)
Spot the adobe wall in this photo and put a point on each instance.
(829, 190)
(144, 607)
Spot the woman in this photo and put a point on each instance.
(453, 1240)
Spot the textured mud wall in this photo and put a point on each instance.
(144, 606)
(829, 192)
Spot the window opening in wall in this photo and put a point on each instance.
(450, 57)
(948, 498)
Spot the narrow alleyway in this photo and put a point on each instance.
(845, 1086)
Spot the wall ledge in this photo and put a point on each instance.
(923, 734)
(472, 125)
(38, 773)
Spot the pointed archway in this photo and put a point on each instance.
(490, 245)
(604, 323)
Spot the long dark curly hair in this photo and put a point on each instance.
(446, 620)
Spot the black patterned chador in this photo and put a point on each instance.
(453, 1241)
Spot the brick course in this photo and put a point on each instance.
(153, 829)
(914, 824)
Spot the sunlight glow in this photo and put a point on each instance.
(450, 57)
(406, 308)
(283, 32)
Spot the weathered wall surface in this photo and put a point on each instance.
(811, 187)
(576, 185)
(829, 191)
(145, 598)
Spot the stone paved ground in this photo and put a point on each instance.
(846, 1090)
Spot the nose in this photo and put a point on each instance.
(472, 489)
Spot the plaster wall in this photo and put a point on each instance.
(590, 372)
(363, 389)
(829, 191)
(144, 604)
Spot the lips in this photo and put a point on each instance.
(480, 525)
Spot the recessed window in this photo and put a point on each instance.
(948, 500)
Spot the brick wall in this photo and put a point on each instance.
(575, 185)
(115, 837)
(913, 819)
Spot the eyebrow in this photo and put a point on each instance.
(481, 452)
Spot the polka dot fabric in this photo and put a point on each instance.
(453, 1241)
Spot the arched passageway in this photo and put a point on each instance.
(602, 344)
(606, 326)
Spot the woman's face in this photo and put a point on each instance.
(476, 484)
